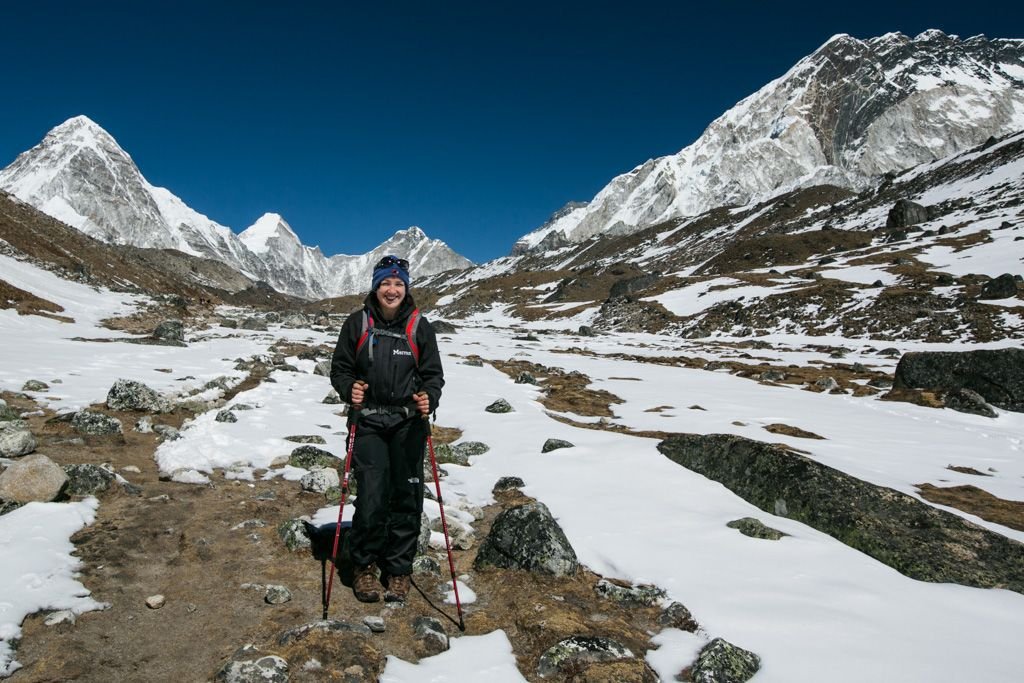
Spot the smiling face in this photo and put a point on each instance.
(390, 294)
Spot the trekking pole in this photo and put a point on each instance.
(344, 491)
(444, 524)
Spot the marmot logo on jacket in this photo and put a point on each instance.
(400, 352)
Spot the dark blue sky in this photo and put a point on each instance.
(473, 120)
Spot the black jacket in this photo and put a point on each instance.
(394, 375)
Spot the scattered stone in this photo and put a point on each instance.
(253, 323)
(507, 484)
(144, 425)
(778, 428)
(155, 601)
(241, 406)
(329, 626)
(461, 536)
(293, 534)
(332, 398)
(677, 616)
(446, 455)
(127, 394)
(917, 539)
(499, 406)
(268, 669)
(471, 448)
(250, 524)
(172, 331)
(34, 478)
(323, 368)
(308, 457)
(320, 479)
(96, 424)
(35, 385)
(772, 376)
(646, 595)
(306, 438)
(750, 526)
(277, 595)
(15, 439)
(525, 378)
(226, 416)
(905, 213)
(555, 444)
(969, 401)
(720, 661)
(827, 385)
(375, 624)
(64, 616)
(87, 479)
(424, 564)
(585, 331)
(473, 363)
(577, 651)
(443, 327)
(8, 414)
(528, 537)
(430, 636)
(168, 432)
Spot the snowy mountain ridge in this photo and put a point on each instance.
(79, 175)
(847, 114)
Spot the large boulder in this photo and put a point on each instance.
(96, 424)
(912, 537)
(170, 331)
(997, 375)
(577, 652)
(127, 394)
(905, 213)
(528, 537)
(87, 479)
(722, 662)
(1002, 287)
(34, 478)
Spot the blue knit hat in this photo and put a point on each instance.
(390, 266)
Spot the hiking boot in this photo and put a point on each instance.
(365, 585)
(398, 588)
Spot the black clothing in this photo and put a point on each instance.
(391, 433)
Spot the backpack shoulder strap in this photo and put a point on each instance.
(365, 334)
(410, 334)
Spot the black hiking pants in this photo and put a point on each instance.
(388, 464)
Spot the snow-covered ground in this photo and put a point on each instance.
(806, 604)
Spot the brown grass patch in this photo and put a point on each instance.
(966, 470)
(27, 303)
(445, 434)
(971, 499)
(564, 392)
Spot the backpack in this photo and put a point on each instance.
(369, 330)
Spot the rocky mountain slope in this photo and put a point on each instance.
(846, 115)
(79, 175)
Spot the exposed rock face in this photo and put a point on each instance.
(127, 394)
(910, 536)
(34, 478)
(528, 537)
(905, 213)
(997, 375)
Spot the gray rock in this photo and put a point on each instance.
(430, 635)
(375, 624)
(95, 424)
(320, 479)
(632, 286)
(277, 595)
(8, 414)
(33, 478)
(156, 601)
(8, 506)
(827, 384)
(15, 439)
(645, 595)
(35, 385)
(325, 626)
(423, 540)
(555, 444)
(308, 457)
(64, 616)
(446, 455)
(127, 394)
(306, 438)
(585, 331)
(473, 363)
(240, 406)
(913, 537)
(578, 651)
(461, 536)
(323, 368)
(253, 323)
(293, 534)
(1002, 287)
(170, 331)
(969, 401)
(442, 327)
(87, 479)
(997, 375)
(722, 662)
(144, 425)
(905, 213)
(168, 432)
(507, 484)
(426, 565)
(677, 616)
(499, 406)
(332, 398)
(471, 448)
(226, 416)
(266, 669)
(528, 537)
(525, 378)
(750, 526)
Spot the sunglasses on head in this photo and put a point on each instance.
(389, 261)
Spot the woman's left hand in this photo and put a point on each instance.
(422, 402)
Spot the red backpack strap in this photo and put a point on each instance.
(365, 334)
(410, 334)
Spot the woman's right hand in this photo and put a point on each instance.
(359, 392)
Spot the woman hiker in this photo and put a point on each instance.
(387, 365)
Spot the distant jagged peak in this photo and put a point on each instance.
(268, 226)
(81, 131)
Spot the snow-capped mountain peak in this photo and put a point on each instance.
(269, 226)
